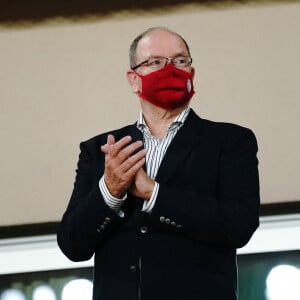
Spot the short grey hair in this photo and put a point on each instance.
(134, 44)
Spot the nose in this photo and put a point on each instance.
(168, 60)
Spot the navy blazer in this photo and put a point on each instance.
(206, 207)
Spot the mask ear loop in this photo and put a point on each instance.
(136, 73)
(140, 76)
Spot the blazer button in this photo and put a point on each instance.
(162, 219)
(167, 221)
(132, 269)
(144, 229)
(173, 223)
(107, 219)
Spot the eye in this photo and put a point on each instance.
(155, 62)
(180, 60)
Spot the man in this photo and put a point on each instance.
(164, 203)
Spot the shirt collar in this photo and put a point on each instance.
(179, 120)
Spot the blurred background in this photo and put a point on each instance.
(62, 81)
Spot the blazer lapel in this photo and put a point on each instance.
(135, 133)
(184, 141)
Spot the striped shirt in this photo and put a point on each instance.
(156, 150)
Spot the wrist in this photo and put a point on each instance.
(149, 190)
(116, 193)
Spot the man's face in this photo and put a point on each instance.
(158, 43)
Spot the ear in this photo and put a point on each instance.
(133, 81)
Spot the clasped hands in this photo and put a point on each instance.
(124, 168)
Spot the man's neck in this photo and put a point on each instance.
(157, 119)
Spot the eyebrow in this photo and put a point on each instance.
(177, 54)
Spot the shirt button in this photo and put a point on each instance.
(144, 229)
(132, 269)
(162, 219)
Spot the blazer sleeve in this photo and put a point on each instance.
(87, 219)
(230, 216)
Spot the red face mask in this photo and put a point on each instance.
(168, 88)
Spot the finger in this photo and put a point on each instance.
(129, 150)
(119, 145)
(105, 149)
(110, 140)
(136, 167)
(132, 160)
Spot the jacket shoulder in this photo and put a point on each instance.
(222, 131)
(224, 127)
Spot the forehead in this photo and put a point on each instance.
(160, 43)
